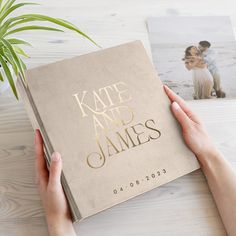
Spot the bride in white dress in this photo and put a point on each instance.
(202, 78)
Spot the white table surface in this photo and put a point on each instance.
(182, 207)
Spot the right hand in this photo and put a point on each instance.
(194, 133)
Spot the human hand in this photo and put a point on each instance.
(194, 133)
(51, 191)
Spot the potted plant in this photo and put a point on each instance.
(11, 63)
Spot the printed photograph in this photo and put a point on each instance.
(198, 71)
(199, 67)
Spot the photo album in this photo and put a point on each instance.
(108, 116)
(195, 56)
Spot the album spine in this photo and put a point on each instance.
(36, 122)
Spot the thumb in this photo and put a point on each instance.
(55, 170)
(180, 115)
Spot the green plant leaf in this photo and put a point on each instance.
(1, 77)
(14, 56)
(23, 64)
(9, 76)
(14, 41)
(6, 6)
(19, 22)
(13, 8)
(13, 21)
(32, 27)
(20, 51)
(56, 21)
(10, 59)
(18, 41)
(9, 24)
(0, 4)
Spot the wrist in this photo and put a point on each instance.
(208, 158)
(60, 227)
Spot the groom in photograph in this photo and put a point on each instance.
(209, 57)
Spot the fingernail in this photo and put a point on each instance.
(55, 156)
(175, 105)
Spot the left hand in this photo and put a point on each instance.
(51, 191)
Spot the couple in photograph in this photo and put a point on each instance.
(206, 78)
